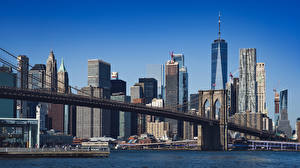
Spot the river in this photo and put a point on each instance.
(165, 159)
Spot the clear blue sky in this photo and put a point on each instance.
(131, 34)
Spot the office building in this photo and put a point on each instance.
(99, 74)
(37, 76)
(93, 122)
(172, 94)
(7, 106)
(233, 96)
(138, 121)
(51, 73)
(276, 110)
(247, 80)
(118, 93)
(22, 82)
(117, 85)
(219, 62)
(121, 125)
(261, 88)
(149, 86)
(284, 123)
(157, 72)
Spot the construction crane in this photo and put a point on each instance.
(231, 75)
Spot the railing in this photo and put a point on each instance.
(101, 149)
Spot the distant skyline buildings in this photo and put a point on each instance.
(99, 73)
(284, 123)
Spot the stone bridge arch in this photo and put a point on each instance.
(211, 137)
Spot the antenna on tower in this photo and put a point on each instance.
(219, 26)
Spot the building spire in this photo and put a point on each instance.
(219, 26)
(62, 66)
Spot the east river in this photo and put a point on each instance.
(147, 159)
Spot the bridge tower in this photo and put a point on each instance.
(212, 105)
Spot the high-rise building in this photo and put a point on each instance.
(51, 73)
(63, 87)
(276, 110)
(138, 121)
(247, 80)
(23, 68)
(7, 106)
(284, 123)
(36, 80)
(63, 78)
(157, 72)
(149, 89)
(37, 76)
(261, 88)
(99, 74)
(117, 85)
(118, 93)
(172, 94)
(93, 122)
(233, 96)
(121, 125)
(219, 62)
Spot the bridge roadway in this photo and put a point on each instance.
(78, 100)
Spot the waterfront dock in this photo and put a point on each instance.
(59, 153)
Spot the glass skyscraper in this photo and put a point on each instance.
(218, 63)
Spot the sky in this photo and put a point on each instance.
(131, 34)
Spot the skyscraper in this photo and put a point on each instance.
(23, 68)
(36, 80)
(63, 87)
(99, 74)
(149, 88)
(247, 81)
(284, 123)
(276, 109)
(233, 96)
(51, 73)
(94, 122)
(118, 93)
(172, 94)
(219, 62)
(37, 76)
(157, 72)
(261, 88)
(137, 120)
(63, 78)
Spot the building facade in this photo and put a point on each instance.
(284, 123)
(172, 94)
(99, 74)
(93, 122)
(261, 88)
(247, 80)
(22, 82)
(149, 86)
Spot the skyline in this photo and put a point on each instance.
(147, 34)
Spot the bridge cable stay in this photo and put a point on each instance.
(78, 90)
